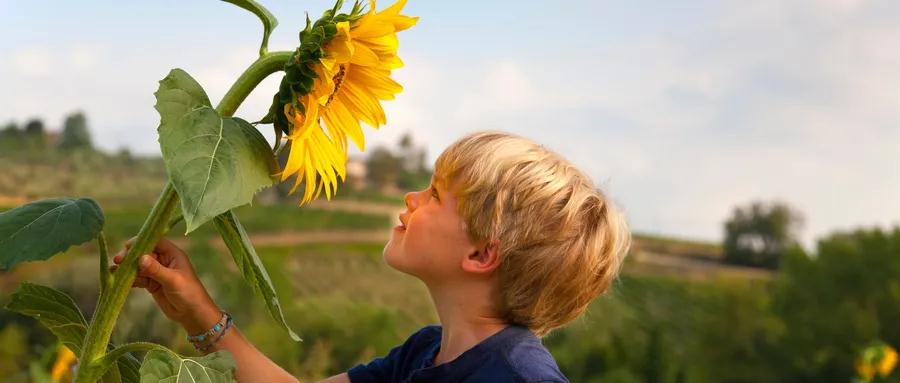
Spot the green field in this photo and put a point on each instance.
(676, 315)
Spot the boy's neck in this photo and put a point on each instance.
(467, 316)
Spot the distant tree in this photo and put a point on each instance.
(413, 156)
(34, 127)
(34, 134)
(414, 173)
(383, 168)
(11, 138)
(124, 156)
(836, 301)
(760, 233)
(75, 134)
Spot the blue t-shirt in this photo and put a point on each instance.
(513, 354)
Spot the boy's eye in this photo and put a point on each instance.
(434, 193)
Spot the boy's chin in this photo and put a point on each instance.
(396, 261)
(391, 258)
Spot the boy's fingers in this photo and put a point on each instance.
(118, 258)
(148, 266)
(165, 246)
(153, 286)
(130, 242)
(141, 282)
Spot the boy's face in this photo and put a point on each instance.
(430, 242)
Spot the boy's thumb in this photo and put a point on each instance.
(151, 268)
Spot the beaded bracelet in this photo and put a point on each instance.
(219, 328)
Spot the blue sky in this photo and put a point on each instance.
(680, 110)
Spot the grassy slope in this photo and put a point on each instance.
(346, 304)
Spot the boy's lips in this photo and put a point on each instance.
(402, 225)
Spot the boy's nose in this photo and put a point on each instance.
(410, 199)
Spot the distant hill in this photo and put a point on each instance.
(123, 180)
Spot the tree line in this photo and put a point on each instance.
(34, 136)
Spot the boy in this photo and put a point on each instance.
(511, 240)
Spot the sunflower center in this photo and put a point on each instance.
(338, 80)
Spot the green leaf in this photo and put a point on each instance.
(54, 310)
(215, 163)
(251, 266)
(129, 368)
(166, 366)
(57, 312)
(268, 20)
(128, 364)
(177, 95)
(41, 229)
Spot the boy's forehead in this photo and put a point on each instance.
(440, 179)
(437, 178)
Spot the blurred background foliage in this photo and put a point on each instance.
(755, 308)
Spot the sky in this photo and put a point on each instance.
(680, 111)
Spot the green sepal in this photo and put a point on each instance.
(299, 77)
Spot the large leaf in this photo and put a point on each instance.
(252, 268)
(57, 312)
(215, 163)
(54, 309)
(166, 366)
(269, 21)
(41, 229)
(128, 364)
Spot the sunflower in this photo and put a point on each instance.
(63, 364)
(878, 359)
(335, 81)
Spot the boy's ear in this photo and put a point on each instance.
(484, 259)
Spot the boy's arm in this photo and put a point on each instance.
(252, 365)
(340, 378)
(168, 275)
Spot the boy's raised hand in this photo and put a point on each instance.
(167, 274)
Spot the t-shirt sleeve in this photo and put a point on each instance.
(387, 368)
(378, 370)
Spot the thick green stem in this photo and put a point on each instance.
(260, 69)
(105, 275)
(112, 300)
(155, 226)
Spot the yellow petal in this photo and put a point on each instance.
(392, 14)
(394, 9)
(295, 160)
(376, 81)
(350, 104)
(371, 26)
(367, 102)
(349, 124)
(364, 56)
(340, 48)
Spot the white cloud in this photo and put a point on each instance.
(31, 62)
(84, 58)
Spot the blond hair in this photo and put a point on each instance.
(561, 241)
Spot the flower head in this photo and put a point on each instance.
(879, 358)
(63, 364)
(335, 82)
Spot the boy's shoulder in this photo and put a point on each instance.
(514, 354)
